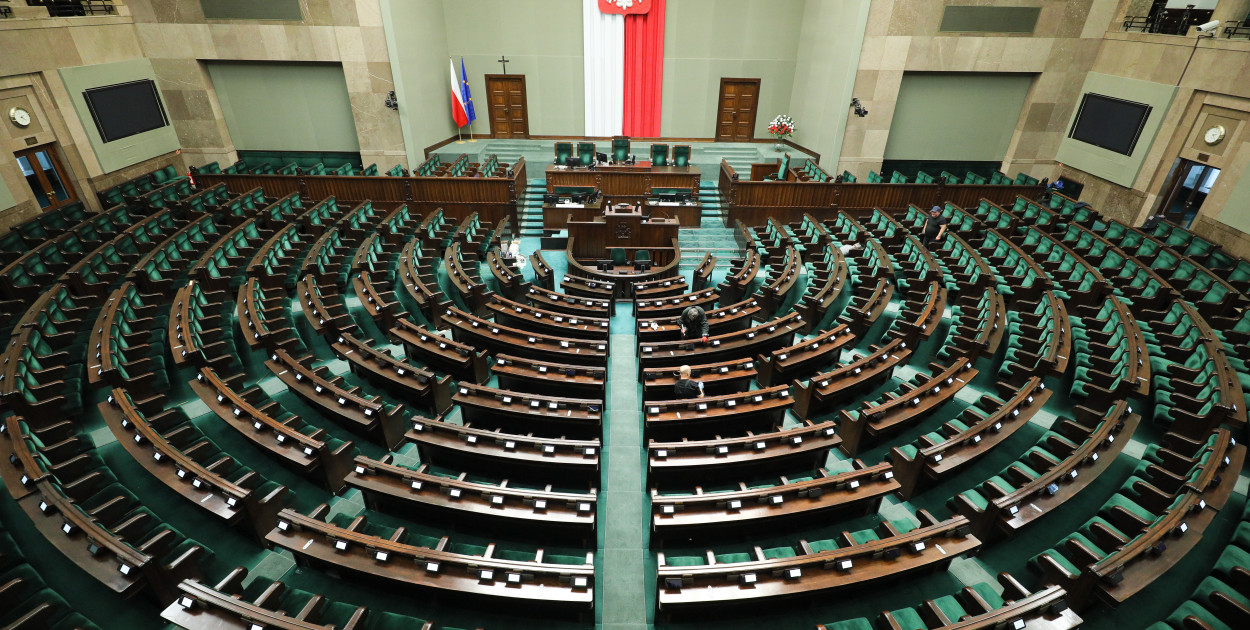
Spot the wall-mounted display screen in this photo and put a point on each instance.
(1110, 123)
(126, 109)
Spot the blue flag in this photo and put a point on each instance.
(464, 92)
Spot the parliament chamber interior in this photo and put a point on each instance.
(832, 314)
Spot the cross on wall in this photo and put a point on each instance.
(504, 60)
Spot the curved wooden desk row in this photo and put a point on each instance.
(170, 457)
(511, 453)
(725, 377)
(1086, 446)
(377, 297)
(92, 275)
(222, 260)
(934, 543)
(856, 491)
(941, 453)
(263, 318)
(1083, 283)
(378, 366)
(827, 278)
(760, 453)
(420, 282)
(823, 389)
(980, 323)
(720, 321)
(189, 340)
(759, 410)
(804, 359)
(473, 292)
(382, 481)
(544, 275)
(868, 303)
(511, 283)
(1125, 363)
(775, 333)
(967, 267)
(363, 413)
(573, 305)
(156, 272)
(536, 319)
(510, 410)
(921, 316)
(742, 272)
(444, 354)
(703, 271)
(660, 288)
(329, 253)
(673, 306)
(198, 606)
(898, 409)
(125, 304)
(1045, 609)
(500, 339)
(1139, 561)
(303, 447)
(272, 263)
(350, 548)
(589, 287)
(1028, 280)
(620, 281)
(915, 261)
(323, 307)
(780, 281)
(532, 375)
(1230, 405)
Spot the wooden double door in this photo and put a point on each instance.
(736, 110)
(50, 183)
(506, 98)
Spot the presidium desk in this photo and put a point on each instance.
(622, 226)
(630, 183)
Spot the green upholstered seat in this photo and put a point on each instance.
(659, 155)
(586, 153)
(681, 155)
(563, 151)
(620, 148)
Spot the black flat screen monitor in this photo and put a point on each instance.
(551, 199)
(126, 109)
(1111, 123)
(572, 161)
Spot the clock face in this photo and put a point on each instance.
(1214, 134)
(20, 117)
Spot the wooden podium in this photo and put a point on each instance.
(621, 226)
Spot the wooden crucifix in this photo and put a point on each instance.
(504, 60)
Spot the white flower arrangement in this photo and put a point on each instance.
(781, 127)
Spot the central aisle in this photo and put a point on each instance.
(626, 572)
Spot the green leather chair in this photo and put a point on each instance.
(586, 153)
(564, 150)
(681, 155)
(659, 155)
(618, 256)
(782, 167)
(620, 148)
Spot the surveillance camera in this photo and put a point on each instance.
(1209, 26)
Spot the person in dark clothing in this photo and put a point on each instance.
(1152, 222)
(694, 324)
(685, 387)
(934, 226)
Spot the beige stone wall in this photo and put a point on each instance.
(176, 37)
(902, 35)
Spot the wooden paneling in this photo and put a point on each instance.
(624, 183)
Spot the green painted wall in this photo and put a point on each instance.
(956, 115)
(126, 151)
(252, 10)
(6, 196)
(737, 38)
(416, 38)
(1236, 211)
(1109, 165)
(277, 106)
(824, 74)
(542, 40)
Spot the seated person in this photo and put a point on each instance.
(686, 387)
(512, 252)
(694, 324)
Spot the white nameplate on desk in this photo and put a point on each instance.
(570, 205)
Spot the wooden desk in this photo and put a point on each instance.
(631, 182)
(556, 216)
(804, 446)
(594, 240)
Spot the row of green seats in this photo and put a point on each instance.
(1030, 212)
(29, 602)
(963, 609)
(283, 210)
(325, 212)
(1220, 601)
(207, 200)
(158, 270)
(1188, 381)
(273, 269)
(1031, 330)
(93, 274)
(1163, 482)
(398, 170)
(993, 216)
(968, 316)
(26, 277)
(141, 184)
(51, 224)
(814, 172)
(1018, 275)
(1107, 353)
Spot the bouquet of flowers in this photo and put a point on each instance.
(781, 127)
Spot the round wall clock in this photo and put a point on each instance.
(19, 116)
(1214, 134)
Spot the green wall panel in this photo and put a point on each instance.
(1236, 211)
(738, 38)
(6, 196)
(283, 106)
(126, 151)
(542, 40)
(981, 19)
(960, 116)
(824, 75)
(416, 39)
(1109, 165)
(252, 9)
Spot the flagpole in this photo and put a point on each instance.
(471, 138)
(459, 140)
